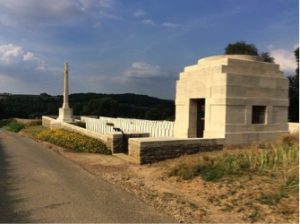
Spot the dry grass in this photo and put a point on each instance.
(259, 184)
(279, 158)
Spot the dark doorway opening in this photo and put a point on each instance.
(259, 114)
(200, 117)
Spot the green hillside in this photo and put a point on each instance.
(113, 105)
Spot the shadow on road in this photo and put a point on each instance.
(8, 213)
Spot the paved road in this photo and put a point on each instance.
(37, 185)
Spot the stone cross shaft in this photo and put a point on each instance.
(66, 86)
(65, 112)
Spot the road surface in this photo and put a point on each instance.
(38, 185)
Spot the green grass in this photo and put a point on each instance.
(11, 125)
(281, 157)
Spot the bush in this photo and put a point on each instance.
(4, 122)
(12, 125)
(73, 141)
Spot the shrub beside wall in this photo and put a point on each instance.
(68, 139)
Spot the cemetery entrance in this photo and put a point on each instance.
(197, 117)
(200, 117)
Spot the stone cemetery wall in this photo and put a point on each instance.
(150, 150)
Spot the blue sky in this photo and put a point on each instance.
(139, 46)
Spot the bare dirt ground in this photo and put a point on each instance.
(231, 200)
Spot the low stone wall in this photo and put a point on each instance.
(119, 142)
(150, 150)
(46, 121)
(293, 127)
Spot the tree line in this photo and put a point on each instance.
(111, 105)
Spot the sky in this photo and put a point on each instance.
(132, 46)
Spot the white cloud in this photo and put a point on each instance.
(170, 25)
(139, 13)
(148, 21)
(285, 58)
(29, 56)
(12, 54)
(165, 24)
(9, 53)
(142, 70)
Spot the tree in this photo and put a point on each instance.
(294, 92)
(265, 57)
(153, 114)
(241, 47)
(44, 95)
(102, 107)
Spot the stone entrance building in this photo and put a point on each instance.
(235, 97)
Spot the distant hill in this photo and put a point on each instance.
(113, 105)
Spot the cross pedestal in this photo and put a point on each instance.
(65, 114)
